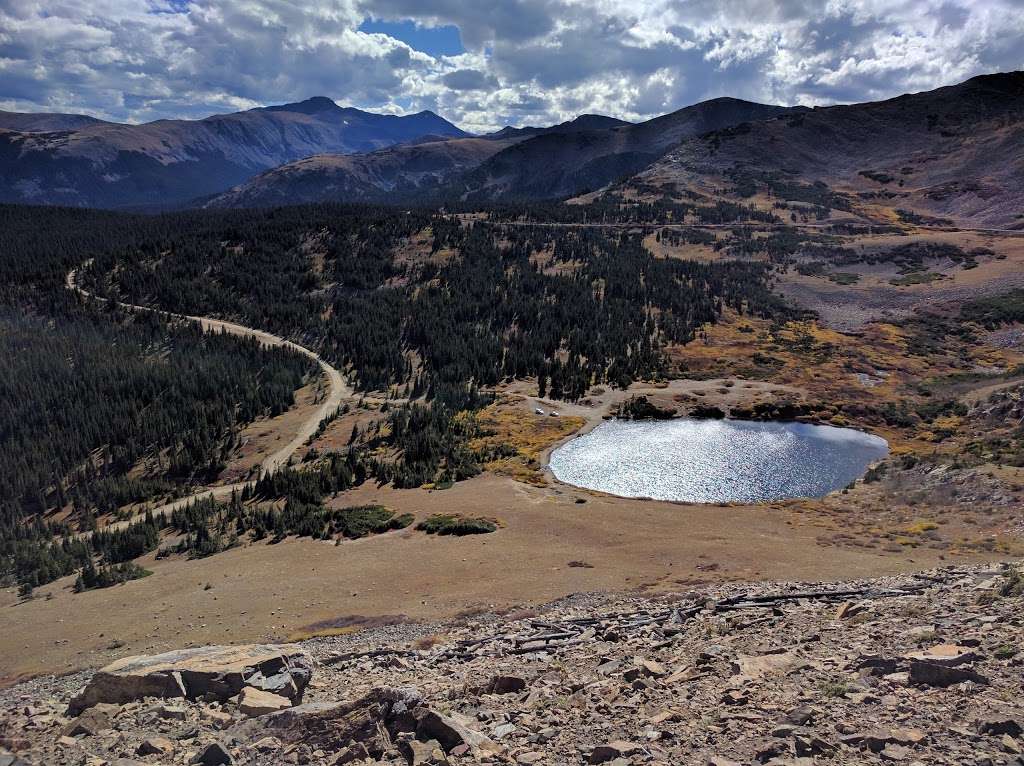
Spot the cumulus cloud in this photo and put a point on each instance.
(525, 61)
(469, 79)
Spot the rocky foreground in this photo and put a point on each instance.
(917, 669)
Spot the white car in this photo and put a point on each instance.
(538, 411)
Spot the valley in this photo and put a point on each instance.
(914, 514)
(314, 399)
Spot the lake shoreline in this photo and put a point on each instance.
(714, 460)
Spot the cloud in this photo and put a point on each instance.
(541, 61)
(469, 79)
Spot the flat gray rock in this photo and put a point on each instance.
(209, 673)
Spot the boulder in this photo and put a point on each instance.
(1010, 745)
(775, 663)
(849, 609)
(684, 675)
(172, 712)
(506, 685)
(908, 736)
(503, 730)
(449, 731)
(155, 746)
(209, 673)
(949, 655)
(374, 720)
(324, 724)
(255, 702)
(91, 721)
(876, 740)
(874, 665)
(806, 746)
(218, 718)
(895, 752)
(214, 754)
(644, 668)
(611, 751)
(998, 725)
(421, 753)
(355, 752)
(800, 716)
(935, 674)
(767, 752)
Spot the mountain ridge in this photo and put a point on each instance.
(104, 164)
(561, 165)
(954, 153)
(527, 162)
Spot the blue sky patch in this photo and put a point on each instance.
(436, 41)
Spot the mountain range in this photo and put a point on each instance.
(955, 154)
(534, 163)
(77, 160)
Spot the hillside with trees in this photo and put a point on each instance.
(104, 409)
(101, 408)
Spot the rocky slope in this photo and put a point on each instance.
(174, 161)
(919, 668)
(955, 154)
(563, 163)
(394, 174)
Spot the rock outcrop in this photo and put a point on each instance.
(209, 673)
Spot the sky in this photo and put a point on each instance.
(486, 63)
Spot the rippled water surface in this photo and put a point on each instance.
(708, 461)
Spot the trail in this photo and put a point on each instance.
(339, 390)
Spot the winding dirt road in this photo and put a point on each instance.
(339, 390)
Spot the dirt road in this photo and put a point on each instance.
(338, 391)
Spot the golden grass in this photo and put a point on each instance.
(507, 422)
(343, 626)
(921, 526)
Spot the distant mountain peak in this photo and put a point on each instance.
(594, 122)
(314, 105)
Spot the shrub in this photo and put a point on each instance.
(833, 689)
(641, 408)
(92, 578)
(995, 311)
(1013, 585)
(362, 520)
(454, 524)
